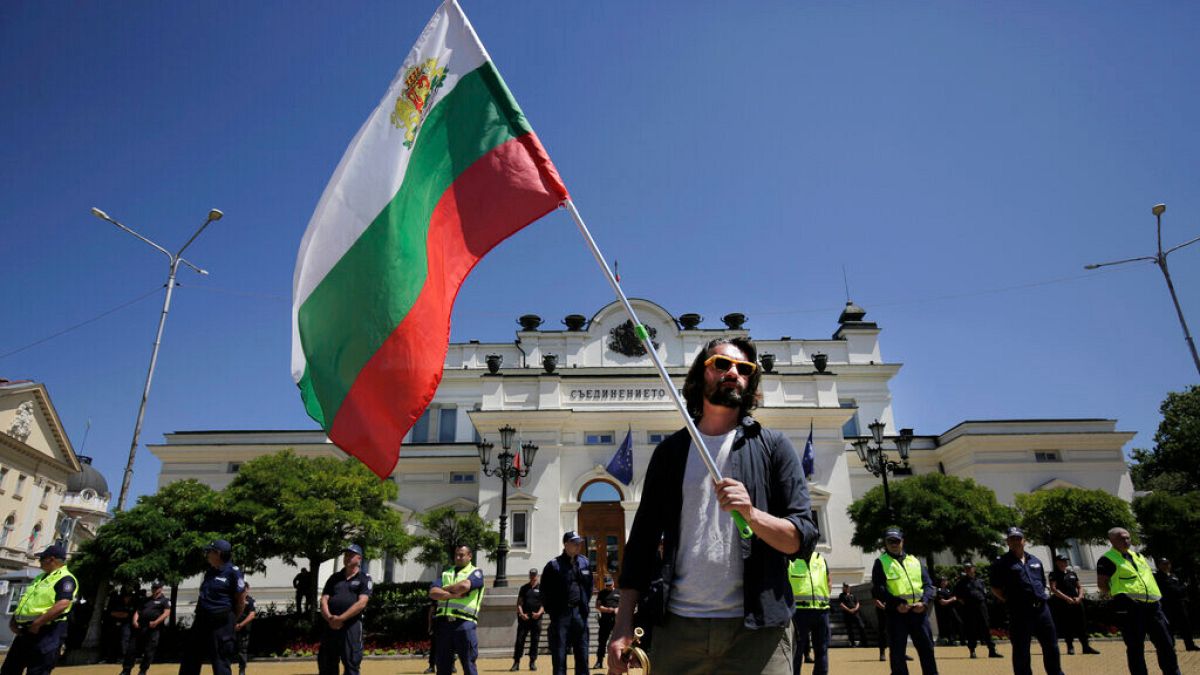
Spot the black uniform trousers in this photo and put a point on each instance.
(900, 628)
(1139, 620)
(341, 647)
(456, 638)
(35, 654)
(144, 644)
(1070, 621)
(854, 622)
(949, 623)
(243, 648)
(569, 631)
(1026, 622)
(605, 626)
(811, 624)
(533, 629)
(977, 627)
(881, 619)
(210, 640)
(1177, 616)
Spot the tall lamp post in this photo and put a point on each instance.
(876, 460)
(175, 260)
(506, 471)
(1160, 259)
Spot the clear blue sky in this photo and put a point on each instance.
(733, 158)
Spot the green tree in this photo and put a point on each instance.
(1171, 464)
(1051, 517)
(1170, 526)
(936, 512)
(309, 508)
(444, 528)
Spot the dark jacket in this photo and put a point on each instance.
(766, 462)
(556, 583)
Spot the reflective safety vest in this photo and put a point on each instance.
(466, 607)
(39, 597)
(810, 582)
(903, 577)
(1132, 579)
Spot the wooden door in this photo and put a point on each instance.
(602, 525)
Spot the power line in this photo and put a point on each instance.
(81, 324)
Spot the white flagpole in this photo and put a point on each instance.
(640, 330)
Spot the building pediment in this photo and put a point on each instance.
(1055, 483)
(30, 426)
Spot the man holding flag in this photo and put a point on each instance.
(729, 606)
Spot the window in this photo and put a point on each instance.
(20, 486)
(45, 497)
(520, 529)
(818, 518)
(1047, 456)
(18, 590)
(598, 438)
(3, 477)
(447, 423)
(10, 524)
(656, 437)
(461, 477)
(234, 467)
(420, 430)
(850, 428)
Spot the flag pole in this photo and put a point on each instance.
(715, 473)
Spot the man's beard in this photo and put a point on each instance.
(727, 397)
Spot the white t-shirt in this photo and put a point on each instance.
(708, 567)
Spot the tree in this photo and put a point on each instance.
(936, 512)
(1170, 526)
(309, 508)
(1171, 464)
(445, 528)
(1051, 517)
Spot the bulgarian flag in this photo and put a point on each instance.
(444, 169)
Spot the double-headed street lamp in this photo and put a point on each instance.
(175, 259)
(1160, 259)
(506, 471)
(876, 460)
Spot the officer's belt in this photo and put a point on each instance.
(812, 605)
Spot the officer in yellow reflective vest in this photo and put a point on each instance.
(1126, 576)
(810, 590)
(459, 595)
(902, 583)
(40, 621)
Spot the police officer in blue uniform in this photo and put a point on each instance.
(147, 628)
(1019, 581)
(566, 594)
(222, 598)
(343, 599)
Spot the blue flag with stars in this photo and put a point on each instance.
(808, 461)
(621, 464)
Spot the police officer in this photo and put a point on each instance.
(147, 627)
(459, 594)
(1066, 605)
(972, 597)
(810, 591)
(529, 620)
(120, 616)
(1126, 576)
(222, 597)
(902, 584)
(946, 605)
(40, 620)
(1174, 603)
(343, 599)
(1019, 581)
(242, 628)
(852, 616)
(607, 601)
(566, 592)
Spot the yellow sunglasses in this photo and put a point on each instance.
(724, 363)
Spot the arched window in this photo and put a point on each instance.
(34, 536)
(10, 523)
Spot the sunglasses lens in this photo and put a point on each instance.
(722, 364)
(744, 369)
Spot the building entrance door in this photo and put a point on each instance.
(602, 525)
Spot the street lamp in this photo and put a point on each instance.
(506, 471)
(1160, 259)
(175, 260)
(877, 462)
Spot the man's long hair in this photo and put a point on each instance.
(693, 386)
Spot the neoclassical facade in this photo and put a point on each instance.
(577, 392)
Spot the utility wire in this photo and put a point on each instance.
(81, 324)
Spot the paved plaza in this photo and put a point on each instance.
(951, 661)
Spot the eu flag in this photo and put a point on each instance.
(621, 464)
(809, 459)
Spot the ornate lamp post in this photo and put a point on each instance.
(877, 462)
(506, 471)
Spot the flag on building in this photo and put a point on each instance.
(444, 169)
(517, 465)
(621, 464)
(808, 461)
